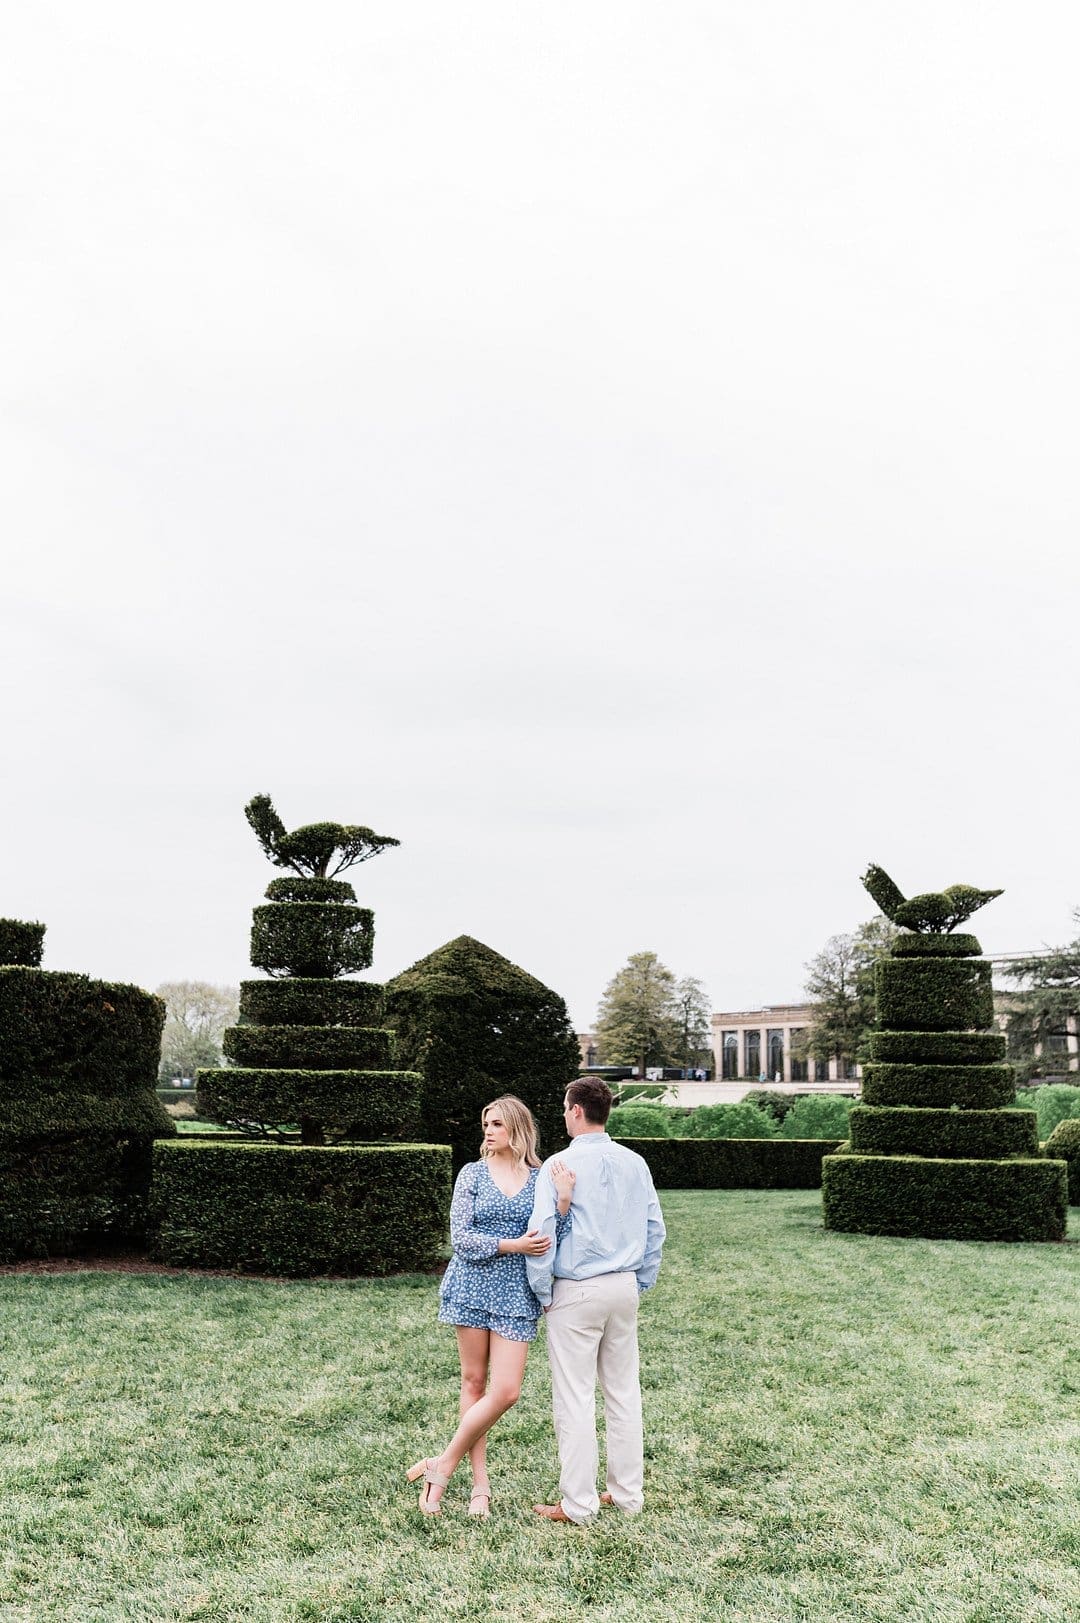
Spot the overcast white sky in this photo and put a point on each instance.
(627, 452)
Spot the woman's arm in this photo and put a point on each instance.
(564, 1181)
(469, 1242)
(475, 1245)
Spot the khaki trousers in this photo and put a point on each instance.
(592, 1331)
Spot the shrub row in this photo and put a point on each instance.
(359, 1104)
(945, 1199)
(59, 1030)
(1064, 1145)
(932, 994)
(21, 942)
(733, 1163)
(949, 1134)
(970, 1087)
(805, 1116)
(257, 1208)
(935, 946)
(310, 1048)
(1052, 1103)
(938, 1047)
(309, 1002)
(311, 939)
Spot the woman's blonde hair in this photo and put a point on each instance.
(520, 1128)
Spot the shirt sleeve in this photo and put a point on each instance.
(540, 1270)
(655, 1233)
(469, 1242)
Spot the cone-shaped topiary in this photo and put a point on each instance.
(477, 1026)
(78, 1112)
(312, 1068)
(933, 1150)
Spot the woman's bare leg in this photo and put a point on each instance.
(473, 1350)
(506, 1360)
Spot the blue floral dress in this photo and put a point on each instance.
(481, 1289)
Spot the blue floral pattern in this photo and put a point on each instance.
(480, 1288)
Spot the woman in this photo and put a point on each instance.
(485, 1293)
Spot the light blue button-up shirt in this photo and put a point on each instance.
(615, 1227)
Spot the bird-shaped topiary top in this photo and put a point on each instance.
(934, 913)
(312, 849)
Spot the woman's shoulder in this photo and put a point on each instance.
(469, 1173)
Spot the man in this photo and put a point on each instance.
(589, 1284)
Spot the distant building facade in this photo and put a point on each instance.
(767, 1045)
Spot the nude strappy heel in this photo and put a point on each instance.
(426, 1469)
(480, 1491)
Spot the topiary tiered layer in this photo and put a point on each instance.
(935, 1149)
(312, 1077)
(78, 1112)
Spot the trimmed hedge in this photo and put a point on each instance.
(300, 1212)
(934, 994)
(59, 1196)
(733, 1163)
(60, 1030)
(477, 1026)
(21, 942)
(71, 1115)
(1064, 1145)
(944, 1134)
(970, 1087)
(307, 1002)
(938, 1047)
(311, 939)
(310, 1048)
(934, 946)
(356, 1104)
(296, 889)
(78, 1112)
(945, 1199)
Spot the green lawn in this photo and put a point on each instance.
(838, 1428)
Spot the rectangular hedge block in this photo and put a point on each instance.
(944, 1134)
(945, 1199)
(311, 1002)
(363, 1104)
(61, 1030)
(313, 940)
(59, 1196)
(935, 946)
(300, 1212)
(936, 1087)
(938, 1047)
(310, 1048)
(733, 1163)
(934, 994)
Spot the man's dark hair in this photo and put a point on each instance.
(595, 1098)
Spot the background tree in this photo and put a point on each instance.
(1048, 994)
(196, 1016)
(693, 1016)
(646, 1017)
(636, 1023)
(840, 988)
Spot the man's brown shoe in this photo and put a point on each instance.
(606, 1499)
(554, 1513)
